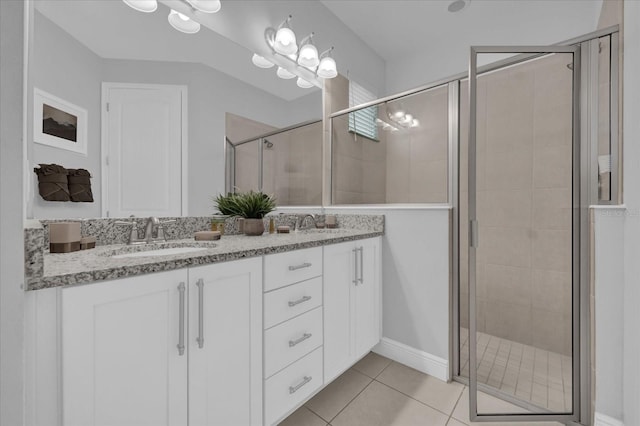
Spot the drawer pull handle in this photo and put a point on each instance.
(180, 345)
(304, 337)
(304, 265)
(299, 301)
(294, 389)
(200, 338)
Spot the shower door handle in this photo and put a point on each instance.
(473, 233)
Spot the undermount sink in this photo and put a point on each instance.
(323, 231)
(157, 250)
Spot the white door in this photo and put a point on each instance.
(225, 344)
(143, 150)
(366, 316)
(339, 276)
(120, 360)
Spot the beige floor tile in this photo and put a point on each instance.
(489, 403)
(372, 365)
(379, 405)
(303, 417)
(434, 392)
(332, 399)
(454, 422)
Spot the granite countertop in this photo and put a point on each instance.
(88, 266)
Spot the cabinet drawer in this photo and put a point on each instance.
(288, 302)
(292, 385)
(291, 267)
(291, 340)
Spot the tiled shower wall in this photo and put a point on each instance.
(292, 161)
(523, 203)
(402, 166)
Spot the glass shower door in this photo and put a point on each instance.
(524, 226)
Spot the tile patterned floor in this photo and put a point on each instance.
(531, 374)
(379, 392)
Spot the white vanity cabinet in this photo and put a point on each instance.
(352, 311)
(121, 364)
(293, 330)
(240, 343)
(225, 344)
(134, 348)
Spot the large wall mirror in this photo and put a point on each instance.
(131, 73)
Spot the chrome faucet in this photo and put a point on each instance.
(152, 224)
(300, 221)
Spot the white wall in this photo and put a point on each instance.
(11, 214)
(631, 366)
(63, 67)
(609, 317)
(415, 276)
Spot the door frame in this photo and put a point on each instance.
(104, 143)
(578, 222)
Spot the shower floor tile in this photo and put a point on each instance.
(534, 375)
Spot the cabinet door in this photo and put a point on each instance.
(225, 344)
(339, 276)
(120, 361)
(366, 315)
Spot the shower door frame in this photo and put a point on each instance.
(578, 219)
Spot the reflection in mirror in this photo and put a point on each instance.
(79, 45)
(286, 163)
(393, 152)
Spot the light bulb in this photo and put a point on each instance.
(308, 56)
(260, 61)
(303, 83)
(146, 6)
(327, 68)
(398, 114)
(285, 42)
(415, 123)
(206, 6)
(183, 23)
(285, 74)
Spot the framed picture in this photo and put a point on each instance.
(59, 123)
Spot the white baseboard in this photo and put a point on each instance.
(603, 420)
(414, 358)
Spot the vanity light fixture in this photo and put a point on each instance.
(304, 84)
(285, 73)
(206, 6)
(402, 118)
(298, 61)
(285, 40)
(183, 23)
(179, 21)
(308, 56)
(146, 6)
(327, 67)
(261, 61)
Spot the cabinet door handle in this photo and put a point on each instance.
(200, 338)
(180, 346)
(355, 262)
(303, 265)
(361, 279)
(299, 301)
(294, 389)
(304, 337)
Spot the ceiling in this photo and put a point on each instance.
(394, 29)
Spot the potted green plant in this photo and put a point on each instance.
(252, 206)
